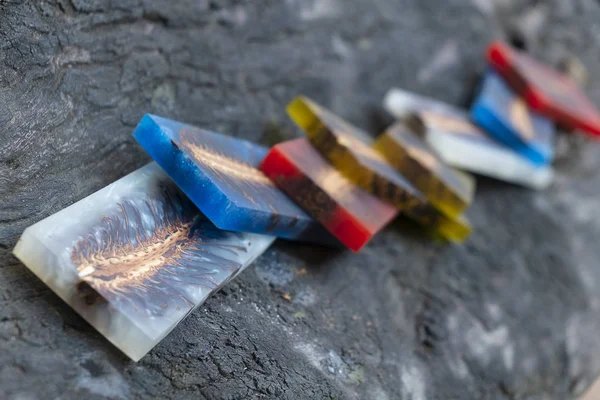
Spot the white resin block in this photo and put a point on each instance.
(461, 144)
(491, 160)
(135, 258)
(401, 104)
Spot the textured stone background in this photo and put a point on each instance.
(512, 314)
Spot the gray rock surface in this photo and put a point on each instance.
(512, 314)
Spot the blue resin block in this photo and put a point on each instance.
(219, 174)
(506, 117)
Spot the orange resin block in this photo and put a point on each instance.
(351, 214)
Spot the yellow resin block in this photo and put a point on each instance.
(448, 190)
(349, 150)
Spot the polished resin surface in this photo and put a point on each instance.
(347, 211)
(220, 174)
(506, 117)
(135, 258)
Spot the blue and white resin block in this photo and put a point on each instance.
(135, 258)
(506, 117)
(463, 145)
(220, 175)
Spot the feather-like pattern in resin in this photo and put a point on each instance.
(220, 174)
(134, 258)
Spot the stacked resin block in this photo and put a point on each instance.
(349, 150)
(220, 175)
(449, 190)
(135, 258)
(547, 91)
(348, 212)
(506, 117)
(463, 145)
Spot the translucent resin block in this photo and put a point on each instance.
(135, 258)
(220, 175)
(348, 212)
(350, 150)
(506, 117)
(403, 104)
(449, 190)
(461, 144)
(550, 92)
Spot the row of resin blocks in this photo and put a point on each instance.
(354, 185)
(337, 183)
(136, 257)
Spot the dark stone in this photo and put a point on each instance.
(512, 314)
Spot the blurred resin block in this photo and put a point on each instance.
(506, 117)
(403, 104)
(350, 150)
(461, 144)
(135, 258)
(220, 175)
(348, 212)
(547, 91)
(449, 190)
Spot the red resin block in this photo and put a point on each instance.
(547, 91)
(351, 214)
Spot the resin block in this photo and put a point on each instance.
(449, 190)
(461, 144)
(350, 150)
(506, 117)
(220, 175)
(403, 104)
(351, 214)
(136, 257)
(547, 91)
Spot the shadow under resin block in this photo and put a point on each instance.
(463, 145)
(506, 117)
(220, 175)
(347, 211)
(547, 91)
(350, 150)
(449, 190)
(135, 258)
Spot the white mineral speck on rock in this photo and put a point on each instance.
(317, 9)
(413, 383)
(483, 343)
